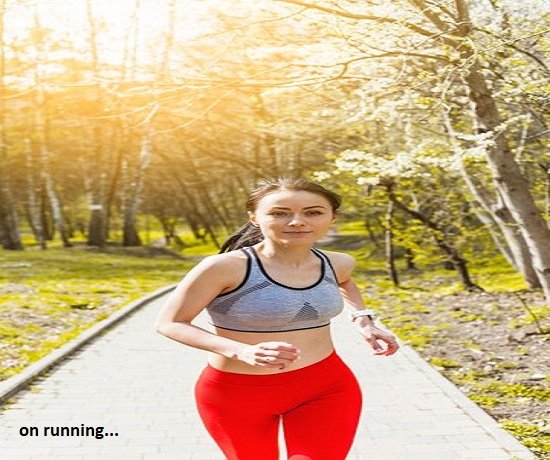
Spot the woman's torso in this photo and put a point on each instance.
(315, 345)
(287, 284)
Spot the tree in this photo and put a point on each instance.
(451, 36)
(9, 228)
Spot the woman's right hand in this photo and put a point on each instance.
(269, 354)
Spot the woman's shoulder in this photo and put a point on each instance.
(341, 258)
(226, 259)
(224, 270)
(342, 263)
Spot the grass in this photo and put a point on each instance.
(528, 432)
(49, 297)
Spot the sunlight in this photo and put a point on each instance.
(126, 29)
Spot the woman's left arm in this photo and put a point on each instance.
(353, 300)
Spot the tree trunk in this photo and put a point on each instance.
(509, 182)
(134, 189)
(494, 212)
(41, 135)
(546, 169)
(163, 70)
(507, 177)
(409, 259)
(193, 225)
(35, 215)
(516, 250)
(370, 232)
(130, 235)
(390, 252)
(266, 141)
(9, 226)
(97, 225)
(122, 164)
(438, 233)
(170, 234)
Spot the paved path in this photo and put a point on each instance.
(139, 385)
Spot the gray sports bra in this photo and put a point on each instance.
(261, 304)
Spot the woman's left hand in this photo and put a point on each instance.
(374, 335)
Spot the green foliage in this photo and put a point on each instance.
(468, 377)
(49, 297)
(416, 335)
(354, 228)
(536, 435)
(516, 390)
(506, 365)
(465, 317)
(484, 400)
(444, 363)
(540, 312)
(194, 247)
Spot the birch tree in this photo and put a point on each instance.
(97, 227)
(9, 225)
(41, 128)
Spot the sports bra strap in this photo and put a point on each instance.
(327, 260)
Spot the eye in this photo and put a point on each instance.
(314, 213)
(277, 213)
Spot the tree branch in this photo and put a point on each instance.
(428, 13)
(375, 56)
(444, 9)
(369, 17)
(510, 44)
(464, 23)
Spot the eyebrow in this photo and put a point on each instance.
(307, 207)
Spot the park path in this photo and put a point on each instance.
(139, 385)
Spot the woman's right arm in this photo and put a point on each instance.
(201, 284)
(197, 289)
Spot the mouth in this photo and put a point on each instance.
(298, 233)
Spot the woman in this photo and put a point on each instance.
(270, 300)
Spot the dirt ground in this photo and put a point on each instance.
(491, 348)
(494, 346)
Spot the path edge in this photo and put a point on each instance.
(16, 383)
(507, 440)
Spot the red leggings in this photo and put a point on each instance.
(319, 405)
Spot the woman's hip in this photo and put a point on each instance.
(276, 393)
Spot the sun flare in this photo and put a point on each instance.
(124, 30)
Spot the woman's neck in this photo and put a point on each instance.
(293, 256)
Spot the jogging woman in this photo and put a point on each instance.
(270, 300)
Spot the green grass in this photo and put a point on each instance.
(195, 247)
(534, 434)
(49, 297)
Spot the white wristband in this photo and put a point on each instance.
(368, 312)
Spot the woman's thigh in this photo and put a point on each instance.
(239, 419)
(324, 427)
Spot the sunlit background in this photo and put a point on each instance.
(116, 110)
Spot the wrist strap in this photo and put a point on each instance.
(367, 312)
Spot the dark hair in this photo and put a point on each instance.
(249, 234)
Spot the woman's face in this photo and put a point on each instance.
(292, 217)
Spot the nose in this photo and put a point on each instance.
(296, 220)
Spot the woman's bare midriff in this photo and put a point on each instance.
(315, 345)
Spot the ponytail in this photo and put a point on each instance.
(247, 235)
